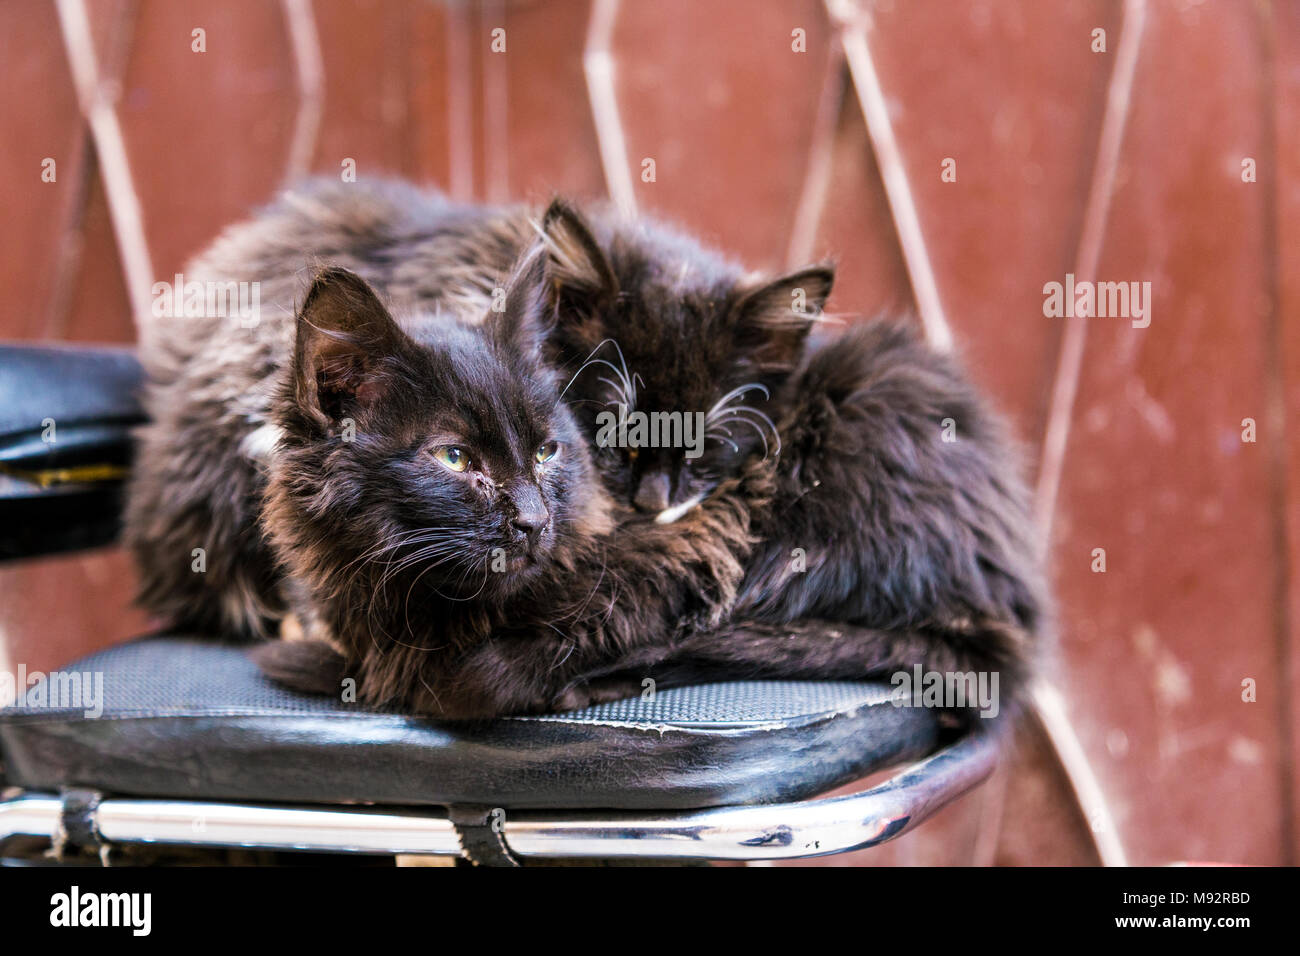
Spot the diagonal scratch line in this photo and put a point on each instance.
(96, 97)
(817, 180)
(1048, 703)
(1070, 359)
(460, 92)
(598, 65)
(893, 176)
(496, 114)
(1049, 706)
(69, 251)
(309, 68)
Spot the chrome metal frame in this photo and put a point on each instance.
(772, 832)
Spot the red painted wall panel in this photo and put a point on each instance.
(1201, 530)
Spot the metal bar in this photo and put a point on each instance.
(783, 831)
(821, 149)
(285, 828)
(1049, 706)
(1065, 387)
(893, 176)
(309, 70)
(780, 832)
(30, 815)
(598, 65)
(97, 100)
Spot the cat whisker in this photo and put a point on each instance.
(713, 433)
(622, 387)
(735, 410)
(390, 575)
(628, 387)
(569, 653)
(465, 574)
(758, 431)
(422, 556)
(739, 414)
(739, 391)
(622, 396)
(591, 401)
(576, 609)
(629, 380)
(385, 546)
(583, 367)
(406, 602)
(443, 552)
(432, 693)
(417, 537)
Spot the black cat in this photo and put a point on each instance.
(433, 506)
(880, 488)
(298, 454)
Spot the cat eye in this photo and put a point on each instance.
(452, 457)
(546, 451)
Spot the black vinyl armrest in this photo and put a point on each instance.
(66, 414)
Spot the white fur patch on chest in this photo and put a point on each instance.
(669, 515)
(259, 444)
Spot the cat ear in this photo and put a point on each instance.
(564, 277)
(773, 319)
(346, 343)
(521, 323)
(578, 273)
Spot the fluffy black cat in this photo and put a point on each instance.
(880, 488)
(433, 506)
(315, 459)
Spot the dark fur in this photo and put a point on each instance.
(394, 551)
(917, 550)
(924, 544)
(382, 554)
(196, 483)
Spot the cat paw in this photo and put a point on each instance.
(291, 628)
(585, 695)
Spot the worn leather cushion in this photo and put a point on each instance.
(186, 718)
(91, 393)
(90, 397)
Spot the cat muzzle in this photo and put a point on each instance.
(652, 492)
(528, 528)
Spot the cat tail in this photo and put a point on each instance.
(308, 666)
(833, 650)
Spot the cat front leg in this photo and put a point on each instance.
(584, 694)
(492, 679)
(521, 676)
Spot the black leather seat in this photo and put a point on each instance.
(190, 719)
(65, 444)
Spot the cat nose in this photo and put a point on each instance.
(652, 492)
(530, 524)
(530, 516)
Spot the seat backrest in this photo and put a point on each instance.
(66, 414)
